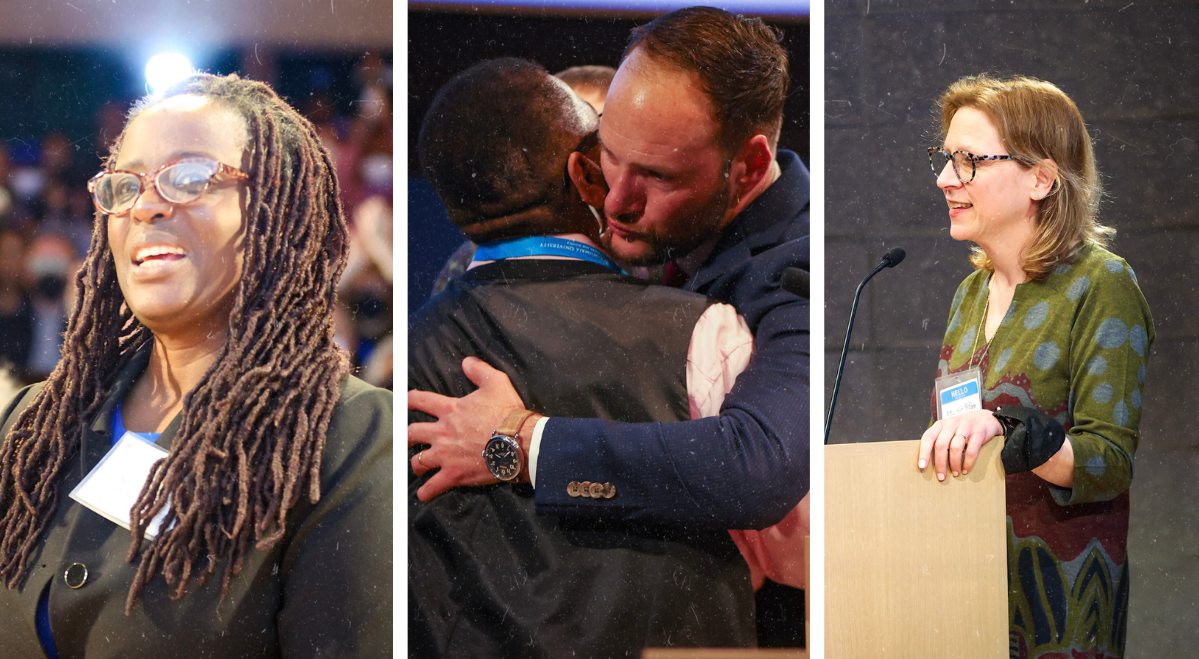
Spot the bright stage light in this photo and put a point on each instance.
(165, 69)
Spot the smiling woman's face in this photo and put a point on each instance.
(179, 264)
(999, 200)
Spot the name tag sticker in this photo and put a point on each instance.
(959, 393)
(112, 487)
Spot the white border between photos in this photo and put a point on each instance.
(399, 324)
(815, 585)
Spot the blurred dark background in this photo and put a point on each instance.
(443, 43)
(1131, 68)
(68, 75)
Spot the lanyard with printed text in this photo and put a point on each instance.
(544, 246)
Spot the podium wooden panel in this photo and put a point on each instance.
(913, 567)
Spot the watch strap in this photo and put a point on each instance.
(513, 422)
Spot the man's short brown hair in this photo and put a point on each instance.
(740, 63)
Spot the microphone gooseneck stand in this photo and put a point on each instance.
(892, 258)
(796, 281)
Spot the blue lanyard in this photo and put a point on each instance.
(118, 428)
(544, 246)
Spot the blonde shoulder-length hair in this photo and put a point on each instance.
(1037, 121)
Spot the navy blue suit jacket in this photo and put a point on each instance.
(747, 467)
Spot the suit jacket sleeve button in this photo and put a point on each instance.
(573, 488)
(609, 490)
(597, 490)
(75, 576)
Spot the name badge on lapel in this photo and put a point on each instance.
(112, 487)
(959, 393)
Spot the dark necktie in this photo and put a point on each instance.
(674, 276)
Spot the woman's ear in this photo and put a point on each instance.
(588, 179)
(1044, 178)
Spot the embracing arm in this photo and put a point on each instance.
(746, 468)
(739, 469)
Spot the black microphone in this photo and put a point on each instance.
(892, 258)
(797, 281)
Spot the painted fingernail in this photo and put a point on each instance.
(955, 474)
(965, 471)
(923, 464)
(940, 477)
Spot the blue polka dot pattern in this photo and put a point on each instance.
(1141, 374)
(1138, 339)
(1046, 354)
(1111, 333)
(953, 322)
(957, 298)
(1002, 361)
(1036, 315)
(967, 343)
(1079, 287)
(1011, 311)
(1075, 358)
(1132, 274)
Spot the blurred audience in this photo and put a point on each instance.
(16, 314)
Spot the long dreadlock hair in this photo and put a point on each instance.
(253, 430)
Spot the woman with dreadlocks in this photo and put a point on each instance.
(204, 320)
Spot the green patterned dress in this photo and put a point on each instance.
(1073, 346)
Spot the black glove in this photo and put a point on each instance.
(1031, 438)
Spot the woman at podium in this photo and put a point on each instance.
(1046, 345)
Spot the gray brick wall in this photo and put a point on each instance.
(1133, 69)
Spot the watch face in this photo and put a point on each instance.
(502, 455)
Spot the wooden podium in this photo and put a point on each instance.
(913, 567)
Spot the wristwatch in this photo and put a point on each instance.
(502, 453)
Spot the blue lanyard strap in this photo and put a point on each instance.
(118, 427)
(544, 246)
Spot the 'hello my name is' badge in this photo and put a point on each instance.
(959, 393)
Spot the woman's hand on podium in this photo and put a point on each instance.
(953, 444)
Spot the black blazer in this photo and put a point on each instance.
(322, 591)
